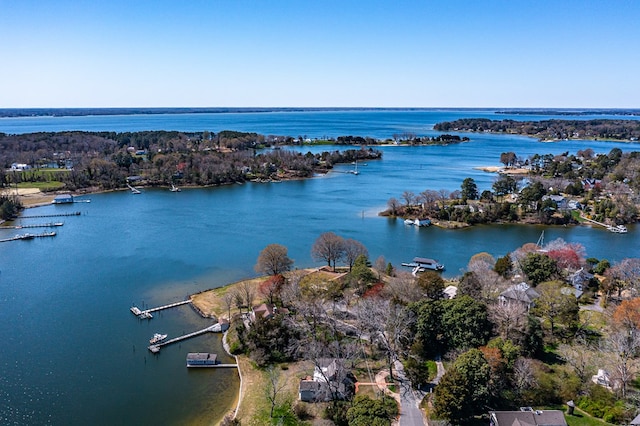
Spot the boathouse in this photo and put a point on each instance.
(63, 199)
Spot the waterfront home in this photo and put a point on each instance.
(264, 311)
(330, 381)
(519, 293)
(527, 417)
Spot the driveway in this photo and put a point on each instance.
(410, 414)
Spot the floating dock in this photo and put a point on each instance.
(146, 314)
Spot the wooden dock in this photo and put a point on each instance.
(37, 225)
(146, 314)
(28, 236)
(156, 348)
(51, 215)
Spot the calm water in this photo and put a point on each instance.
(71, 352)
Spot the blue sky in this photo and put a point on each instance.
(320, 53)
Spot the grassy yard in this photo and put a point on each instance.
(580, 418)
(255, 407)
(210, 302)
(42, 186)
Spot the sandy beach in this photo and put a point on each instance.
(31, 197)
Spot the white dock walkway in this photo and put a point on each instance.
(147, 312)
(156, 348)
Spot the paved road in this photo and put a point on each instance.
(410, 414)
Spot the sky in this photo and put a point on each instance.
(320, 53)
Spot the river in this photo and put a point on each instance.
(71, 351)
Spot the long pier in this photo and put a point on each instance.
(36, 225)
(51, 215)
(28, 237)
(156, 347)
(146, 314)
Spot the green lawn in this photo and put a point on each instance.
(42, 186)
(580, 418)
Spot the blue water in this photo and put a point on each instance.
(72, 353)
(313, 124)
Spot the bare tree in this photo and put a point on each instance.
(247, 293)
(409, 198)
(328, 247)
(523, 374)
(388, 324)
(428, 198)
(403, 287)
(227, 300)
(443, 195)
(353, 249)
(380, 265)
(393, 204)
(581, 356)
(490, 282)
(510, 319)
(290, 293)
(273, 260)
(274, 387)
(622, 349)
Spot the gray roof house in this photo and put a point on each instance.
(519, 293)
(527, 417)
(331, 380)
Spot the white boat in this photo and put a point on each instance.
(157, 338)
(175, 188)
(618, 229)
(426, 263)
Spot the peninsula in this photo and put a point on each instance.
(549, 130)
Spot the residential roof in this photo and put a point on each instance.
(450, 291)
(520, 292)
(528, 418)
(635, 421)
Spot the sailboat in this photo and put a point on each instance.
(174, 188)
(355, 171)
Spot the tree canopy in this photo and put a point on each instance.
(273, 260)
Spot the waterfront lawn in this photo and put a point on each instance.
(255, 407)
(210, 302)
(53, 185)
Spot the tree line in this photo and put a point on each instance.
(105, 160)
(502, 353)
(549, 129)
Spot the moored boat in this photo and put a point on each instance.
(157, 338)
(427, 263)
